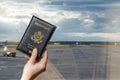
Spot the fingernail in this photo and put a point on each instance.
(35, 50)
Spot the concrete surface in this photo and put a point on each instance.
(82, 62)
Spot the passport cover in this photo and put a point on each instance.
(37, 35)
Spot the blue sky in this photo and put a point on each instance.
(76, 20)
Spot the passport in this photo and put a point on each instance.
(37, 35)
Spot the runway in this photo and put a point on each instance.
(83, 62)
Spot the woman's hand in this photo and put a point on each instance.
(33, 68)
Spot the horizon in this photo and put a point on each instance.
(70, 41)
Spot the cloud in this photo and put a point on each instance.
(17, 15)
(113, 18)
(88, 23)
(103, 36)
(9, 31)
(20, 11)
(69, 17)
(16, 9)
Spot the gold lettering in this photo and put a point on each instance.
(30, 46)
(42, 26)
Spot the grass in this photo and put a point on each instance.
(109, 45)
(57, 46)
(113, 46)
(12, 47)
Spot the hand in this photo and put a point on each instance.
(33, 68)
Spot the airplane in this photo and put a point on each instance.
(5, 51)
(8, 53)
(3, 43)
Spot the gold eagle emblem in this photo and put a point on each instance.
(37, 37)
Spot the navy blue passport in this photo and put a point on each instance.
(37, 35)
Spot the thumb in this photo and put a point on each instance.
(33, 56)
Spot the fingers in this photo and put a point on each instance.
(44, 58)
(33, 56)
(32, 59)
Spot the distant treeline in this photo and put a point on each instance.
(81, 42)
(72, 42)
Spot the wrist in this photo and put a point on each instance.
(25, 77)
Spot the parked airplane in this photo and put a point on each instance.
(3, 43)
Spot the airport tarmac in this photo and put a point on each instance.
(83, 62)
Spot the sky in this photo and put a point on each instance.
(76, 20)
